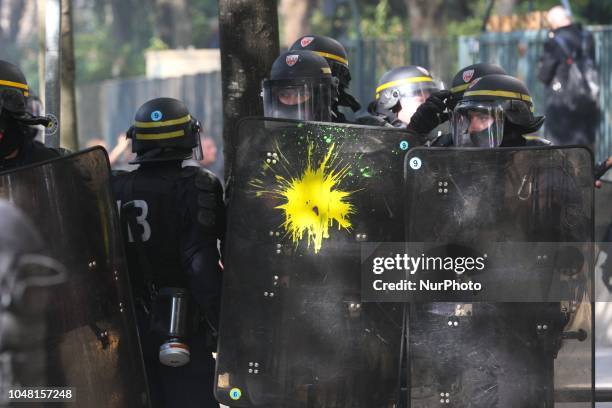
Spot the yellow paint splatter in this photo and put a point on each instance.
(314, 202)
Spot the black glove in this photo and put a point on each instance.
(601, 169)
(431, 113)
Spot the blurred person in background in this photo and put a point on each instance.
(209, 160)
(209, 156)
(119, 156)
(567, 68)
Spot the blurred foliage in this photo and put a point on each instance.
(204, 23)
(593, 11)
(470, 25)
(97, 55)
(100, 54)
(387, 19)
(384, 19)
(379, 22)
(25, 55)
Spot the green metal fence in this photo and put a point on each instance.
(369, 59)
(518, 53)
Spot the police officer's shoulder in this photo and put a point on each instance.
(205, 180)
(441, 140)
(209, 193)
(39, 152)
(533, 140)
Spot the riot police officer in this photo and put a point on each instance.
(496, 110)
(436, 109)
(175, 216)
(399, 93)
(337, 58)
(17, 145)
(300, 87)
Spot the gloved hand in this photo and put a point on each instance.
(431, 113)
(601, 169)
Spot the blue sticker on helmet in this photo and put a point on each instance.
(156, 115)
(404, 145)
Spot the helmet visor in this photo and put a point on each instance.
(303, 100)
(478, 124)
(12, 101)
(406, 92)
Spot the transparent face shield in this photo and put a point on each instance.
(478, 124)
(404, 100)
(303, 100)
(198, 154)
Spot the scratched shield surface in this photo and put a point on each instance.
(535, 207)
(90, 337)
(302, 198)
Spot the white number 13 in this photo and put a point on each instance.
(140, 219)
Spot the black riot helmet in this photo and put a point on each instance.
(15, 117)
(402, 90)
(337, 58)
(164, 130)
(466, 75)
(496, 110)
(300, 87)
(13, 88)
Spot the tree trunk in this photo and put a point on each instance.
(16, 13)
(248, 31)
(427, 18)
(174, 23)
(295, 16)
(123, 17)
(13, 15)
(53, 61)
(68, 121)
(41, 51)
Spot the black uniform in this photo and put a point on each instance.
(31, 152)
(181, 249)
(573, 118)
(175, 216)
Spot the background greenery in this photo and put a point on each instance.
(111, 36)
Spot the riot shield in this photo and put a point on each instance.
(603, 292)
(294, 333)
(529, 212)
(91, 342)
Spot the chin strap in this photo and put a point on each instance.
(31, 120)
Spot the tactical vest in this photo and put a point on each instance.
(159, 192)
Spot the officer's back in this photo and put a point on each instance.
(172, 217)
